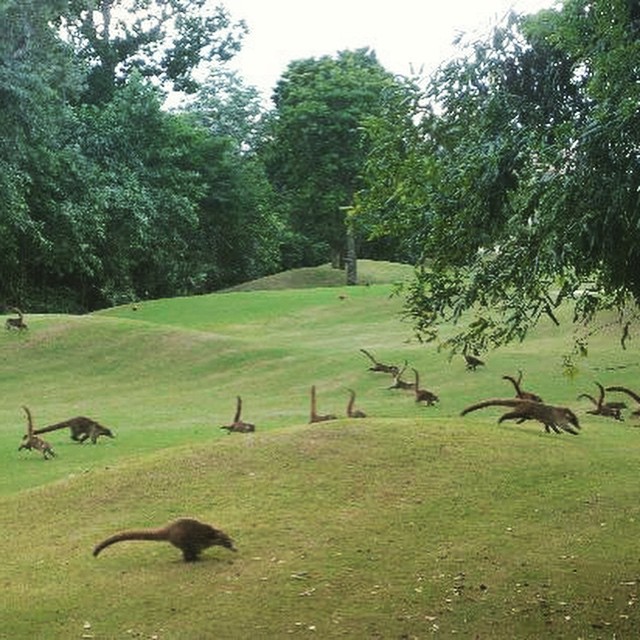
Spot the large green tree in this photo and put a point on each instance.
(165, 40)
(317, 146)
(521, 177)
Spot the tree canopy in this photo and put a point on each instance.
(318, 147)
(517, 168)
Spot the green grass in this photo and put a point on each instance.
(413, 523)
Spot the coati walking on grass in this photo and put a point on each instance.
(238, 425)
(555, 419)
(31, 441)
(191, 536)
(16, 323)
(423, 395)
(525, 395)
(314, 416)
(632, 394)
(602, 408)
(380, 366)
(81, 429)
(351, 412)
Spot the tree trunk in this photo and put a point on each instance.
(351, 260)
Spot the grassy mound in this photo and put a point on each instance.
(412, 522)
(369, 272)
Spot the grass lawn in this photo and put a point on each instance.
(410, 523)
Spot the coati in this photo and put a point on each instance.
(525, 395)
(187, 534)
(473, 362)
(314, 417)
(555, 419)
(606, 409)
(632, 394)
(423, 395)
(238, 426)
(351, 412)
(31, 441)
(379, 366)
(16, 323)
(399, 383)
(81, 429)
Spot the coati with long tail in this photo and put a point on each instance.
(31, 441)
(555, 419)
(380, 366)
(191, 536)
(423, 395)
(315, 417)
(472, 361)
(525, 395)
(16, 323)
(398, 382)
(81, 428)
(238, 426)
(631, 394)
(602, 408)
(351, 412)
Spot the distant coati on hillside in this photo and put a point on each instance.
(81, 429)
(16, 323)
(187, 534)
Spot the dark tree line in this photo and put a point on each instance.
(107, 196)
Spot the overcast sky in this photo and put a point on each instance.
(405, 34)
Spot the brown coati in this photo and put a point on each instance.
(629, 392)
(31, 441)
(380, 366)
(16, 323)
(314, 416)
(423, 395)
(191, 536)
(351, 412)
(520, 393)
(473, 362)
(238, 425)
(555, 419)
(399, 383)
(602, 408)
(81, 429)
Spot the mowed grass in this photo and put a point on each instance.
(412, 523)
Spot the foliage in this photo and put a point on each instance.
(520, 177)
(106, 195)
(167, 40)
(317, 148)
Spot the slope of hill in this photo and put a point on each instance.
(369, 272)
(413, 522)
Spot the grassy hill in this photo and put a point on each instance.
(411, 523)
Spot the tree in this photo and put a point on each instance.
(317, 147)
(526, 193)
(166, 40)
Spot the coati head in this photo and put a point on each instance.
(220, 538)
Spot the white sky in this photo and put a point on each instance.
(405, 34)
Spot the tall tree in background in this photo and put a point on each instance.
(528, 182)
(317, 149)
